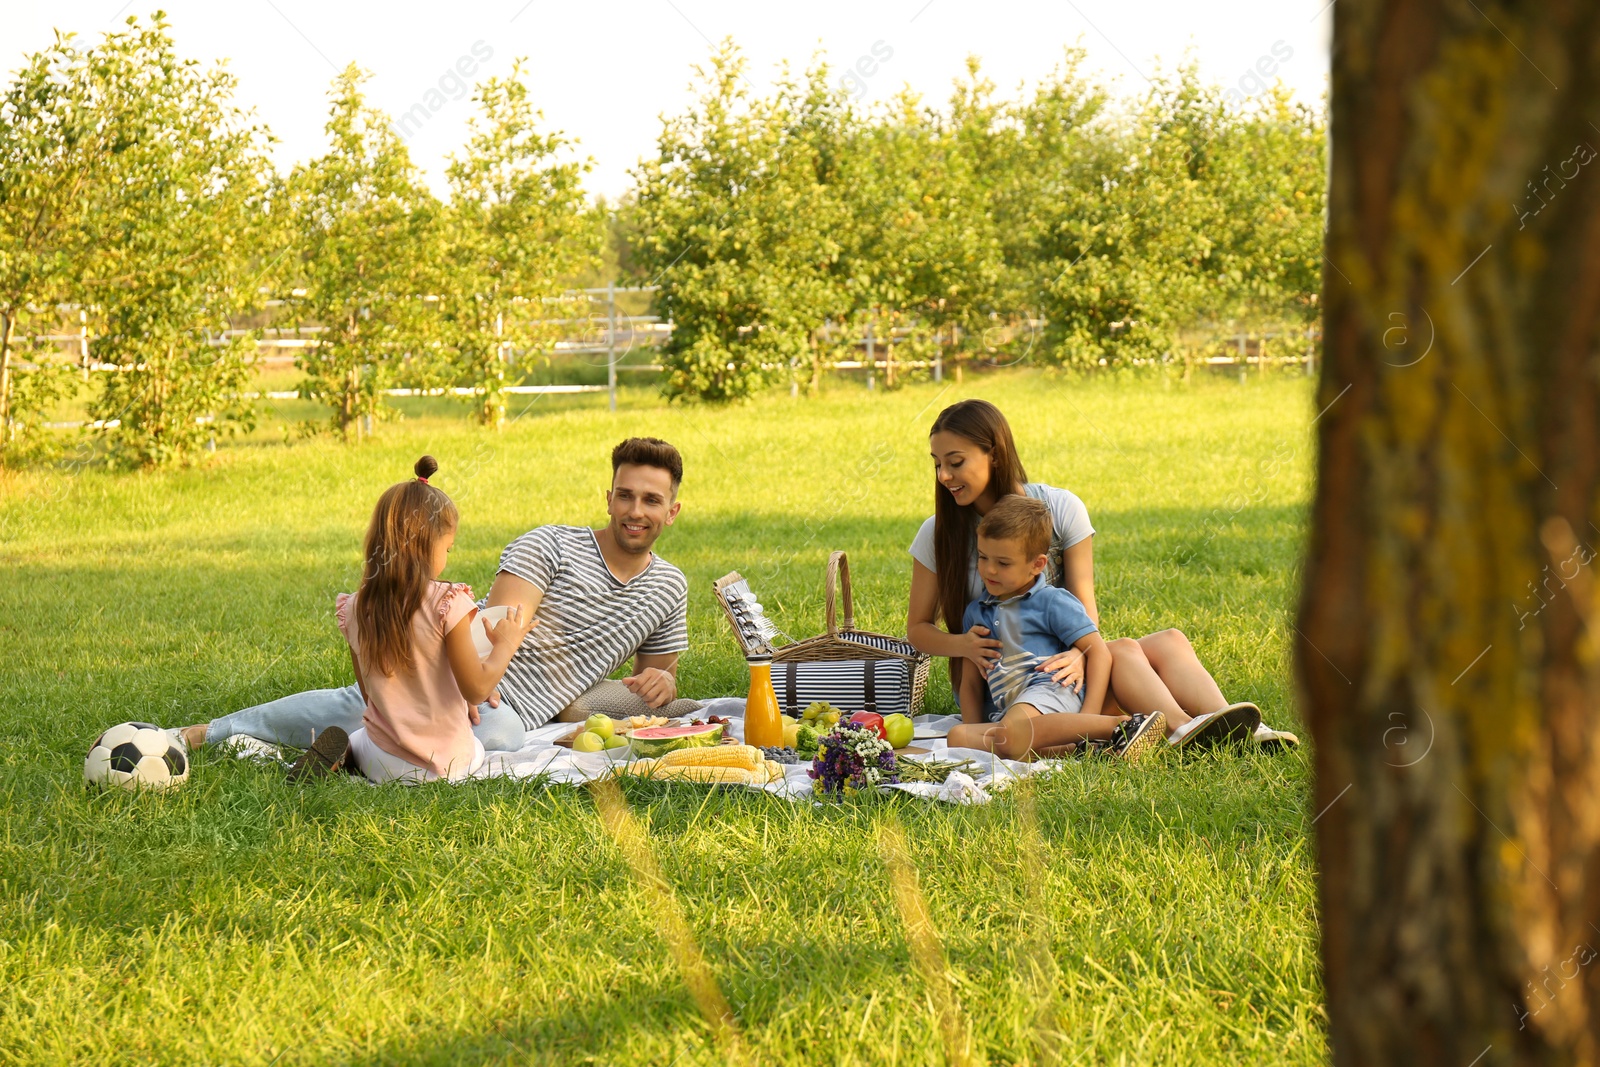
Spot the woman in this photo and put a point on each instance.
(976, 463)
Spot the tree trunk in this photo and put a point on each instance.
(7, 325)
(1447, 650)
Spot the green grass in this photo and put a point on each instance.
(242, 921)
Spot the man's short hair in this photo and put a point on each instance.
(1019, 518)
(648, 452)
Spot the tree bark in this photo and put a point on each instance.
(7, 325)
(1447, 630)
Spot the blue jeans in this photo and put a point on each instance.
(292, 720)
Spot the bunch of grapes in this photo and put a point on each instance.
(852, 758)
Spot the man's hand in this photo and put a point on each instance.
(653, 685)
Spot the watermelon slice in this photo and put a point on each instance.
(659, 740)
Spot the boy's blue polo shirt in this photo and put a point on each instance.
(1031, 627)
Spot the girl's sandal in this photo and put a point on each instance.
(326, 755)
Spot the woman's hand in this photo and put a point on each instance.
(980, 648)
(1065, 668)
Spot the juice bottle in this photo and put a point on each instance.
(762, 724)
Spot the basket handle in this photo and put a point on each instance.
(839, 574)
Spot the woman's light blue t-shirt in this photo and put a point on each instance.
(1070, 524)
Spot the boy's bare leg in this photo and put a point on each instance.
(971, 735)
(1186, 678)
(1024, 729)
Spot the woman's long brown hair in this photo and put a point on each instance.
(954, 524)
(407, 523)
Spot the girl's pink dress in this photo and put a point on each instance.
(419, 714)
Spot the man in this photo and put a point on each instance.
(600, 597)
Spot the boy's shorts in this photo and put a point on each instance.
(1049, 698)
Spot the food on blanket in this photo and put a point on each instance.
(659, 740)
(635, 722)
(899, 730)
(871, 721)
(604, 725)
(934, 770)
(791, 733)
(588, 741)
(615, 741)
(781, 755)
(821, 711)
(746, 756)
(706, 775)
(136, 755)
(714, 765)
(852, 757)
(806, 740)
(774, 771)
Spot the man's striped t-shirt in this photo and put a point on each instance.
(590, 623)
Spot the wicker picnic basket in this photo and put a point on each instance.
(855, 670)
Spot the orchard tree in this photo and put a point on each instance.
(1448, 622)
(517, 222)
(177, 206)
(742, 228)
(50, 141)
(1132, 262)
(1270, 179)
(924, 250)
(367, 232)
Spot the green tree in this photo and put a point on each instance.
(367, 231)
(742, 229)
(50, 136)
(923, 250)
(1130, 264)
(517, 223)
(178, 202)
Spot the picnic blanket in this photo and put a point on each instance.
(540, 755)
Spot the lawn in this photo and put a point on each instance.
(1161, 913)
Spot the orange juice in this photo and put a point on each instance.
(763, 726)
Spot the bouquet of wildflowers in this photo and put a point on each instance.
(851, 758)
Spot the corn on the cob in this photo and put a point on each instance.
(774, 770)
(745, 757)
(641, 767)
(714, 775)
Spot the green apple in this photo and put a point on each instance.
(603, 725)
(900, 729)
(588, 741)
(616, 741)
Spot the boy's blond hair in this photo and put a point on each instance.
(1019, 518)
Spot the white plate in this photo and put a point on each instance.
(480, 628)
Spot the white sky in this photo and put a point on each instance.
(604, 74)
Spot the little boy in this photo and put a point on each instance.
(1033, 621)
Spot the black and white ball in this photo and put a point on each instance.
(136, 755)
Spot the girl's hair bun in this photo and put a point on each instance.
(426, 467)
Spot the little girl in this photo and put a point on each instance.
(410, 638)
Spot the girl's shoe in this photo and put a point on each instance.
(1138, 735)
(1233, 723)
(327, 754)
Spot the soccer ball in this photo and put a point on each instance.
(136, 755)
